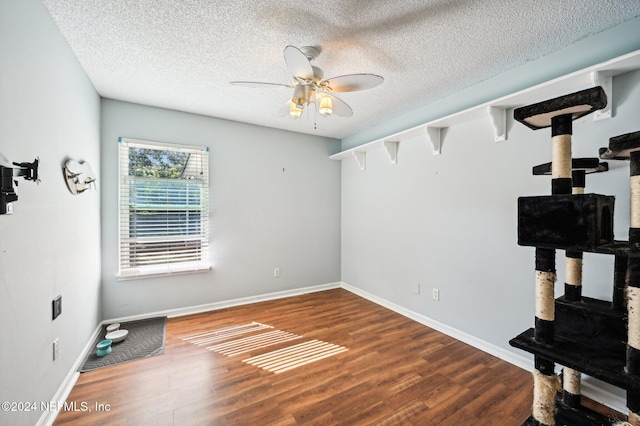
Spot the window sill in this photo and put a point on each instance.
(164, 271)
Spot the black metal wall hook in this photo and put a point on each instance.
(29, 171)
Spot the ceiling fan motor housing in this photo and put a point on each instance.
(310, 52)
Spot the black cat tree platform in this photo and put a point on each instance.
(583, 335)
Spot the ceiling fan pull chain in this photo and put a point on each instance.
(315, 115)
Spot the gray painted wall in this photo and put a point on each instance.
(50, 246)
(274, 200)
(450, 221)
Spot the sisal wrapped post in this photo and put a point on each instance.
(578, 181)
(545, 298)
(561, 156)
(573, 259)
(561, 131)
(545, 389)
(546, 383)
(633, 346)
(634, 201)
(633, 290)
(571, 387)
(633, 307)
(545, 301)
(573, 293)
(573, 262)
(573, 276)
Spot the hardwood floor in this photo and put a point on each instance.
(394, 372)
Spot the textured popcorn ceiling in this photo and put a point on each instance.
(182, 54)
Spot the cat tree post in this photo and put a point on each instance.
(573, 274)
(573, 261)
(558, 114)
(546, 384)
(580, 167)
(633, 288)
(622, 147)
(573, 292)
(545, 381)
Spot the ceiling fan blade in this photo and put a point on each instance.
(259, 85)
(298, 63)
(353, 82)
(340, 107)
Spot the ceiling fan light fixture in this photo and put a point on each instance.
(295, 111)
(299, 96)
(309, 86)
(326, 106)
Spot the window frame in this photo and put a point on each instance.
(200, 258)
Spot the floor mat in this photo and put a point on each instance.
(145, 339)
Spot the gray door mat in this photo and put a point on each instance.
(145, 339)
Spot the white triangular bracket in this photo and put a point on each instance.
(434, 137)
(499, 121)
(605, 80)
(392, 150)
(361, 157)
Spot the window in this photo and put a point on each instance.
(164, 208)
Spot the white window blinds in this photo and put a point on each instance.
(164, 208)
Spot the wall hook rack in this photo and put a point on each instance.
(29, 171)
(78, 176)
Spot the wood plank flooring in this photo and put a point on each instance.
(394, 372)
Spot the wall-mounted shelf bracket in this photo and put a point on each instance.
(597, 75)
(605, 80)
(499, 121)
(392, 150)
(360, 157)
(434, 137)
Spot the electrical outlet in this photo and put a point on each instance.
(416, 287)
(276, 272)
(436, 294)
(56, 345)
(9, 208)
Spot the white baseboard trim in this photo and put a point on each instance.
(613, 397)
(190, 310)
(589, 388)
(60, 397)
(510, 357)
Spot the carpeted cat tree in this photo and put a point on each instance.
(582, 334)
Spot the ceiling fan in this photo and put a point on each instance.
(310, 87)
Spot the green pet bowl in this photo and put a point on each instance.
(104, 348)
